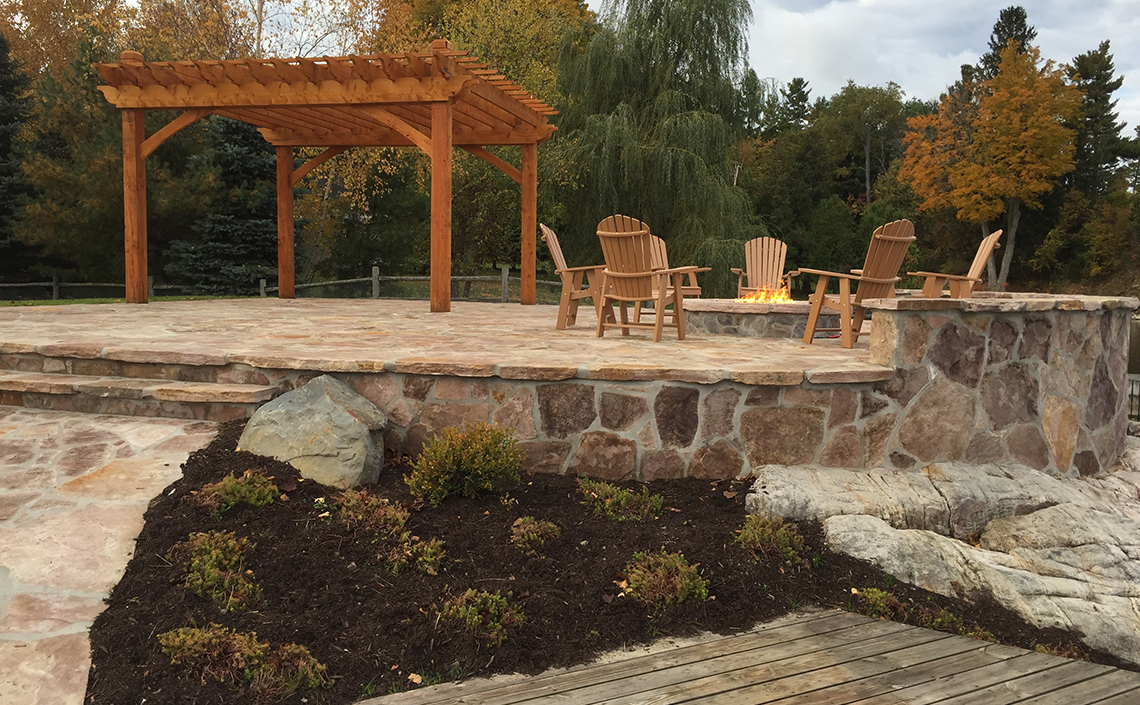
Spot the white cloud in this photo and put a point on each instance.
(920, 44)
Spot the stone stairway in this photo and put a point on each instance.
(100, 386)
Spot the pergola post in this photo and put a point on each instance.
(134, 205)
(285, 279)
(441, 206)
(529, 220)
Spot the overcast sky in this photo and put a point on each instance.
(920, 44)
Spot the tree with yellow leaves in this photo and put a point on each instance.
(1008, 152)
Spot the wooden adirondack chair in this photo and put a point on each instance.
(572, 289)
(629, 277)
(764, 266)
(961, 287)
(876, 281)
(659, 257)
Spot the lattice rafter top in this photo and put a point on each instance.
(345, 101)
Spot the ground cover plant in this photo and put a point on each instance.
(330, 597)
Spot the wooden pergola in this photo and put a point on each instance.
(433, 100)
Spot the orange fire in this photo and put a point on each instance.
(766, 296)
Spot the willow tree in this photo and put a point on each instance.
(652, 107)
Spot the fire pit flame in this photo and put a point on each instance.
(766, 296)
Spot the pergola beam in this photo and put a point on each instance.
(506, 168)
(184, 120)
(303, 170)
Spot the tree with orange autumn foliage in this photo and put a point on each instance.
(1003, 148)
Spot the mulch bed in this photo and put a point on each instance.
(324, 589)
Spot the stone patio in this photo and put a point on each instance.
(73, 490)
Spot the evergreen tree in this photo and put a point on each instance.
(1098, 143)
(236, 243)
(17, 260)
(1012, 25)
(74, 167)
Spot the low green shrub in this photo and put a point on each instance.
(214, 562)
(239, 658)
(620, 504)
(771, 537)
(881, 604)
(529, 535)
(357, 509)
(940, 618)
(487, 615)
(478, 458)
(222, 655)
(661, 579)
(252, 488)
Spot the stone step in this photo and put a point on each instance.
(132, 396)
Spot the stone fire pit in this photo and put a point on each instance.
(727, 317)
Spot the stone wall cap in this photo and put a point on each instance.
(1007, 302)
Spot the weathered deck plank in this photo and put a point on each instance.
(827, 658)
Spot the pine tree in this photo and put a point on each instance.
(1012, 26)
(17, 260)
(236, 243)
(1098, 144)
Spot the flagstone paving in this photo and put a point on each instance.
(73, 491)
(363, 335)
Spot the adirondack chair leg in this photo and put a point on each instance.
(637, 312)
(575, 288)
(961, 289)
(678, 308)
(659, 311)
(816, 304)
(857, 322)
(564, 302)
(932, 287)
(845, 322)
(601, 331)
(624, 318)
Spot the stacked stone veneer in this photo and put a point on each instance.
(1038, 380)
(728, 317)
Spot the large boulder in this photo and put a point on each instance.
(1091, 590)
(324, 429)
(1062, 552)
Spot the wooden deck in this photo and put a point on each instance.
(822, 658)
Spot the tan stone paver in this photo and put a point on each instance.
(361, 335)
(73, 490)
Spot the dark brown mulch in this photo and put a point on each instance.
(324, 589)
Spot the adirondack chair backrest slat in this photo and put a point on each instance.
(658, 252)
(885, 256)
(764, 262)
(627, 249)
(555, 249)
(984, 251)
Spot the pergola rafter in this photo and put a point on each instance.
(433, 101)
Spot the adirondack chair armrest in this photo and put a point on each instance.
(824, 272)
(681, 270)
(737, 270)
(583, 269)
(955, 277)
(857, 272)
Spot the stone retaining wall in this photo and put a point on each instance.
(1038, 380)
(727, 317)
